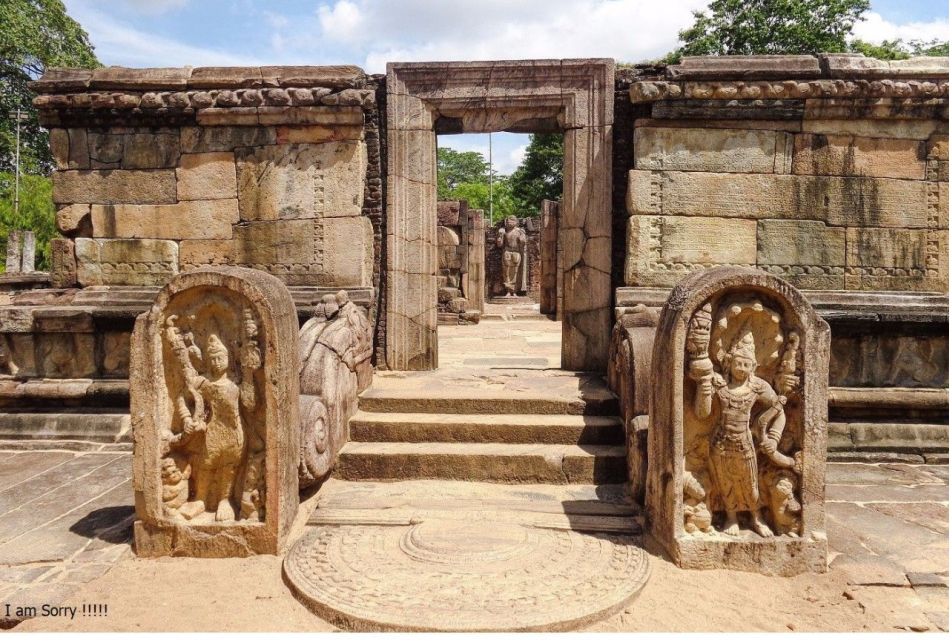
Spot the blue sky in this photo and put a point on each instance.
(153, 33)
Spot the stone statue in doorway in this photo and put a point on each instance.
(513, 241)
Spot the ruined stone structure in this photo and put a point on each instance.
(461, 260)
(825, 176)
(214, 416)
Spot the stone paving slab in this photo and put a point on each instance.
(65, 519)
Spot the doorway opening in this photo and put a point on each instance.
(500, 274)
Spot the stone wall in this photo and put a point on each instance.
(830, 172)
(164, 170)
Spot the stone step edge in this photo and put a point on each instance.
(508, 428)
(629, 525)
(377, 401)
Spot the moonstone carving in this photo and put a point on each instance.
(334, 364)
(214, 391)
(738, 425)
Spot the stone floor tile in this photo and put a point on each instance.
(899, 605)
(866, 570)
(64, 474)
(24, 465)
(926, 580)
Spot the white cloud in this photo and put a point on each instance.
(628, 30)
(155, 7)
(515, 158)
(121, 44)
(876, 29)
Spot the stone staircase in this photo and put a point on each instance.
(564, 436)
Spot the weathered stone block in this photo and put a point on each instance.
(207, 176)
(73, 218)
(738, 426)
(816, 154)
(189, 219)
(800, 242)
(334, 76)
(154, 78)
(228, 117)
(195, 253)
(150, 150)
(706, 241)
(125, 262)
(866, 128)
(347, 257)
(316, 134)
(301, 180)
(115, 187)
(719, 150)
(217, 436)
(213, 139)
(835, 200)
(290, 249)
(898, 251)
(63, 258)
(326, 116)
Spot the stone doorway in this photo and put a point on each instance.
(532, 96)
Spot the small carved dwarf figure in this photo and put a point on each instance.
(696, 514)
(784, 506)
(221, 450)
(512, 239)
(733, 463)
(175, 473)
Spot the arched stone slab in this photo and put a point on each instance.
(709, 432)
(215, 416)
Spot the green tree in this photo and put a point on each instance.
(34, 35)
(459, 167)
(477, 196)
(898, 50)
(540, 175)
(750, 27)
(37, 213)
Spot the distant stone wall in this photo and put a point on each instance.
(164, 170)
(831, 172)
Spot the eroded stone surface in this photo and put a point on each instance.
(214, 410)
(466, 576)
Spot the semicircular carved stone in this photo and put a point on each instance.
(213, 400)
(738, 425)
(334, 365)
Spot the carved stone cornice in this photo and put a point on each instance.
(654, 91)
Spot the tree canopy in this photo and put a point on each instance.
(34, 35)
(540, 175)
(749, 27)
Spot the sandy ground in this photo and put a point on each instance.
(249, 595)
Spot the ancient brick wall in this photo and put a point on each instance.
(164, 170)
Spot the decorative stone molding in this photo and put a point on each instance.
(795, 78)
(738, 425)
(573, 96)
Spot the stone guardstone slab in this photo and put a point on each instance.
(738, 425)
(215, 417)
(463, 575)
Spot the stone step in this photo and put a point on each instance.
(88, 426)
(512, 428)
(486, 462)
(593, 399)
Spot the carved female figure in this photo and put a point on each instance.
(217, 417)
(731, 399)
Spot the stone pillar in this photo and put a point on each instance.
(738, 425)
(13, 252)
(215, 360)
(28, 258)
(473, 283)
(549, 212)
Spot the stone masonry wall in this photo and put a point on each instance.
(165, 170)
(830, 172)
